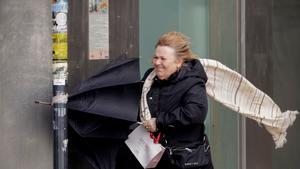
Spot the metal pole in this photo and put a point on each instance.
(242, 69)
(60, 97)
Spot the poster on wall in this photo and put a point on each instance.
(98, 29)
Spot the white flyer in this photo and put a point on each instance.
(143, 147)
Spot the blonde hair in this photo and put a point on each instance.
(179, 42)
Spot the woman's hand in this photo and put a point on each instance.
(150, 125)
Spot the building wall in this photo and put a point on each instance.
(25, 73)
(272, 59)
(258, 51)
(285, 72)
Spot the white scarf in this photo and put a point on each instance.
(237, 93)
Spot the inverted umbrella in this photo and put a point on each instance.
(102, 108)
(114, 92)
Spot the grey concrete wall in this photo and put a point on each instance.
(25, 75)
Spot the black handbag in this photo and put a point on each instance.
(185, 158)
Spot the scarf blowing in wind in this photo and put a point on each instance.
(235, 92)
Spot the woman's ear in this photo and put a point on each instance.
(179, 62)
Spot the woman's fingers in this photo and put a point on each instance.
(150, 125)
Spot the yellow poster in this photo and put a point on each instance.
(60, 46)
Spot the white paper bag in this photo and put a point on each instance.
(144, 149)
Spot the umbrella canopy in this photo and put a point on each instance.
(114, 92)
(102, 108)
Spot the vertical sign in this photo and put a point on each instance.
(60, 67)
(98, 29)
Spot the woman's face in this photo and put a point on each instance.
(165, 62)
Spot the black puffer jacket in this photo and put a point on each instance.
(180, 105)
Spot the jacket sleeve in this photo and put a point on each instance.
(192, 110)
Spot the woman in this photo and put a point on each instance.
(177, 102)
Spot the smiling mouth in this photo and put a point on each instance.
(158, 68)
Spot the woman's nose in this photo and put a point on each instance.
(156, 62)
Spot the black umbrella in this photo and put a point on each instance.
(102, 108)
